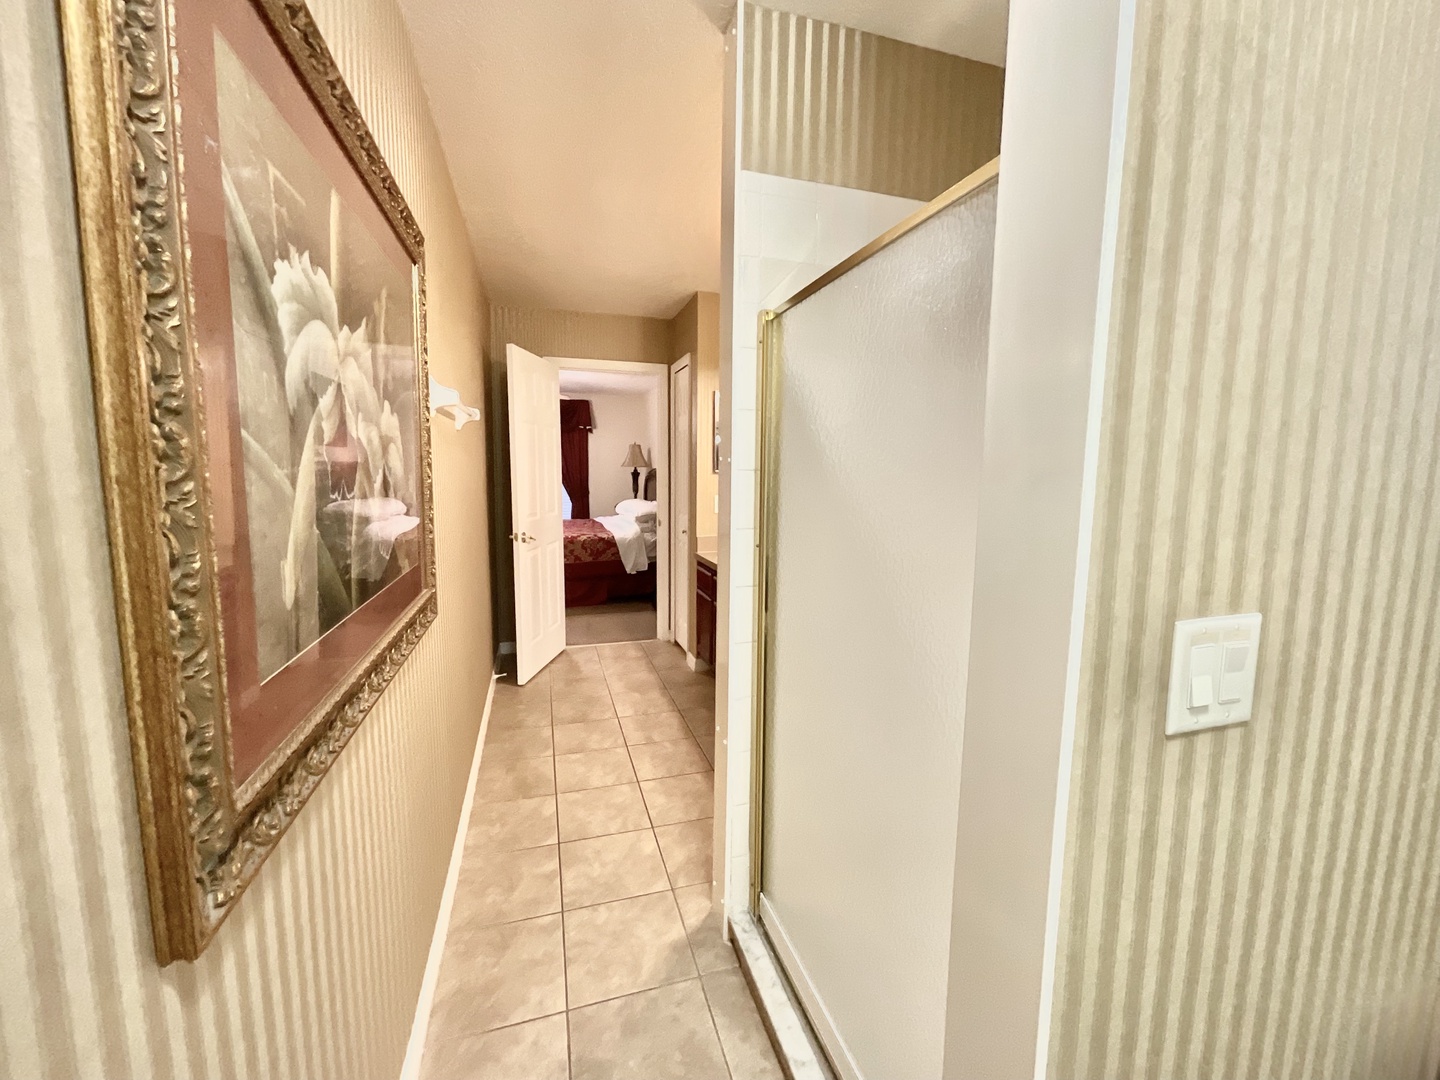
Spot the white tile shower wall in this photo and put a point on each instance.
(787, 233)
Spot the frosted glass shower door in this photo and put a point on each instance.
(875, 395)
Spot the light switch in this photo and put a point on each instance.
(1212, 673)
(1232, 672)
(1204, 669)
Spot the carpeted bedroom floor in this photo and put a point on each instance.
(605, 623)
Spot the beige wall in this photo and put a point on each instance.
(1261, 902)
(580, 335)
(707, 382)
(315, 975)
(839, 106)
(696, 331)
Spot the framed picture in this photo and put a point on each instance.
(256, 290)
(715, 431)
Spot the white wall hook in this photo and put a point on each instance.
(445, 401)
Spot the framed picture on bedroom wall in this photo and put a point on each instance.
(256, 289)
(715, 431)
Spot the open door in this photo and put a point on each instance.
(682, 475)
(537, 537)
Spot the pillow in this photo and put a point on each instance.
(637, 509)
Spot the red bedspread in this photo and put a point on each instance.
(586, 541)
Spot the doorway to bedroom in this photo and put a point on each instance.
(611, 419)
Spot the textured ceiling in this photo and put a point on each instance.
(973, 28)
(584, 139)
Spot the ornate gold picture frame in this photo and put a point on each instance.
(256, 296)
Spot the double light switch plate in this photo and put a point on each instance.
(1212, 673)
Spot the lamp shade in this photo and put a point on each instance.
(635, 459)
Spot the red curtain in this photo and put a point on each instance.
(576, 423)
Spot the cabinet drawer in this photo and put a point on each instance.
(705, 581)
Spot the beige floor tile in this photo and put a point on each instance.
(518, 743)
(633, 676)
(586, 677)
(535, 1050)
(506, 690)
(691, 691)
(700, 721)
(704, 925)
(520, 713)
(576, 660)
(511, 825)
(707, 747)
(611, 868)
(646, 700)
(500, 975)
(602, 812)
(661, 1034)
(654, 727)
(624, 947)
(742, 1033)
(666, 656)
(686, 850)
(588, 735)
(501, 781)
(587, 701)
(622, 654)
(674, 758)
(508, 886)
(594, 768)
(680, 798)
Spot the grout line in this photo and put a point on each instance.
(560, 874)
(724, 1056)
(646, 990)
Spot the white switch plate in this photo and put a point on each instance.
(1212, 673)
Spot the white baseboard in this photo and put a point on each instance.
(410, 1070)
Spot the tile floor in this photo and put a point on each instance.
(583, 944)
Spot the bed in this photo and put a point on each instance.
(594, 570)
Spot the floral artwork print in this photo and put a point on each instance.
(325, 374)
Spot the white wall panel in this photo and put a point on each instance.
(880, 404)
(771, 266)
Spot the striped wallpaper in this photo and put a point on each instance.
(1263, 902)
(315, 976)
(580, 335)
(839, 106)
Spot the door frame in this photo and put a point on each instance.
(660, 455)
(685, 516)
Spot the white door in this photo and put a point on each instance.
(682, 479)
(538, 537)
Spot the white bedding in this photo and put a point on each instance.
(631, 542)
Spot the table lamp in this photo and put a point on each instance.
(635, 461)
